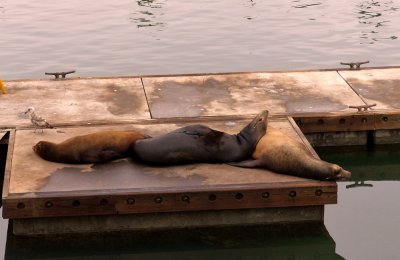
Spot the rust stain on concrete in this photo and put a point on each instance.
(119, 100)
(385, 93)
(121, 174)
(243, 94)
(187, 98)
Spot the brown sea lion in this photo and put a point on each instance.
(91, 148)
(201, 144)
(280, 153)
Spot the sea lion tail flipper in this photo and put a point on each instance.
(340, 173)
(246, 163)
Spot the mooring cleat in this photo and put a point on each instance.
(354, 65)
(58, 74)
(363, 107)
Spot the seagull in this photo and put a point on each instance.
(37, 121)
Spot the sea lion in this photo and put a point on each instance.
(280, 153)
(201, 144)
(91, 148)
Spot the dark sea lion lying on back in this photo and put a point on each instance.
(91, 148)
(199, 143)
(280, 153)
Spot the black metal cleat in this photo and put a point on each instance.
(354, 65)
(363, 107)
(58, 74)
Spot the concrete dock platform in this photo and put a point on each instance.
(124, 194)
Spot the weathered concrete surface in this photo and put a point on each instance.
(380, 86)
(30, 173)
(74, 100)
(238, 94)
(154, 221)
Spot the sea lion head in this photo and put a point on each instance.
(43, 149)
(260, 122)
(252, 133)
(257, 127)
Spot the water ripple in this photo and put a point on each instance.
(99, 37)
(306, 5)
(373, 16)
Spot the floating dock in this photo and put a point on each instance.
(43, 197)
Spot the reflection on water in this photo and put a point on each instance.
(309, 241)
(248, 6)
(148, 16)
(2, 10)
(378, 163)
(105, 38)
(300, 4)
(364, 223)
(373, 15)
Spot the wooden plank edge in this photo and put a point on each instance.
(167, 202)
(7, 172)
(308, 122)
(336, 123)
(328, 186)
(133, 122)
(302, 137)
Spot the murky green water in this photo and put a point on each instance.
(277, 242)
(364, 223)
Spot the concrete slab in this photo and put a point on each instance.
(48, 176)
(380, 86)
(74, 100)
(244, 94)
(108, 188)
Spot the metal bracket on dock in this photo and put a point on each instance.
(354, 65)
(58, 74)
(363, 107)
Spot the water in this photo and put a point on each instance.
(364, 223)
(126, 37)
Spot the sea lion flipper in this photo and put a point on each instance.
(246, 163)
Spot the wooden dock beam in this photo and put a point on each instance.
(170, 220)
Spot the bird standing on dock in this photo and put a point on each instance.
(37, 121)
